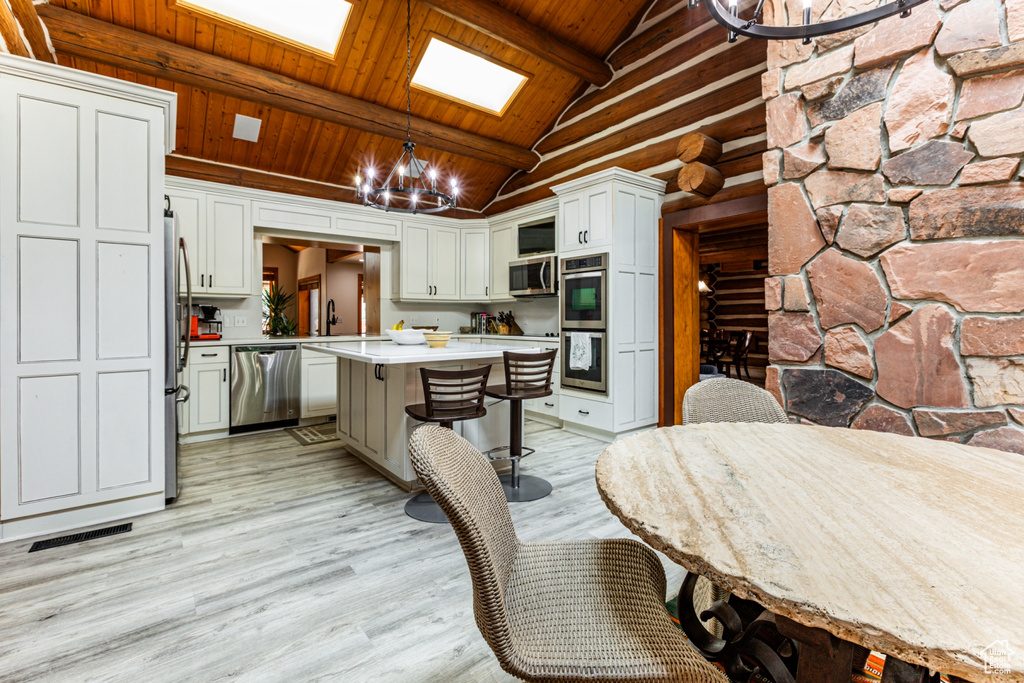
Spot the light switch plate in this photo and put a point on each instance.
(240, 321)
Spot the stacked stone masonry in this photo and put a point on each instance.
(896, 221)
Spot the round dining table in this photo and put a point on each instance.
(907, 546)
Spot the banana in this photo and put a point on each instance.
(398, 325)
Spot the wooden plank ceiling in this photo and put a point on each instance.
(370, 66)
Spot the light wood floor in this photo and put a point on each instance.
(280, 562)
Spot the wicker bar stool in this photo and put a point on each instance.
(449, 396)
(527, 375)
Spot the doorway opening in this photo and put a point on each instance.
(714, 260)
(336, 286)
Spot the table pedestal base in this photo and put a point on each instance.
(822, 658)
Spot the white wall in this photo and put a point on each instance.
(343, 287)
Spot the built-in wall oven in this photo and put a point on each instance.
(585, 292)
(584, 317)
(580, 371)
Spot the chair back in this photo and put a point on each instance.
(744, 344)
(465, 486)
(730, 400)
(528, 375)
(454, 394)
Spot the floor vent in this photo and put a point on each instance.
(78, 538)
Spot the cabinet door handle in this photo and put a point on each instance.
(211, 279)
(209, 355)
(381, 376)
(202, 279)
(579, 238)
(487, 291)
(549, 405)
(584, 412)
(225, 375)
(586, 239)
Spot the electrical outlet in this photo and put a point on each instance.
(240, 321)
(414, 320)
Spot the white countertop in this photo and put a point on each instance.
(390, 353)
(253, 341)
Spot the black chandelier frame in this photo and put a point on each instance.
(752, 27)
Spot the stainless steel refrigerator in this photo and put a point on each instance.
(177, 314)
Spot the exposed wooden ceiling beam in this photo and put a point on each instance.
(198, 169)
(80, 36)
(10, 33)
(497, 22)
(27, 16)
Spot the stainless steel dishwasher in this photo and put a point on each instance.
(264, 387)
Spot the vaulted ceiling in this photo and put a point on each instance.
(305, 136)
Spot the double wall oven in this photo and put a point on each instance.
(584, 317)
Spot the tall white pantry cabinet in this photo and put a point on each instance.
(81, 297)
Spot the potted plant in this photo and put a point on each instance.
(275, 321)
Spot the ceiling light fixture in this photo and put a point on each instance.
(730, 19)
(417, 195)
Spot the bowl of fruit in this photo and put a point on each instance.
(403, 336)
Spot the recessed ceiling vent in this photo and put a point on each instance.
(247, 128)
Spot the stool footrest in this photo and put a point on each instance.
(490, 454)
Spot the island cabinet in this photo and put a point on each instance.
(82, 402)
(377, 380)
(319, 385)
(218, 234)
(209, 383)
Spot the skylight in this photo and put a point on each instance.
(460, 75)
(317, 24)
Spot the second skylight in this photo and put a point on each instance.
(460, 75)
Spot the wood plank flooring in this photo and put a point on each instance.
(279, 562)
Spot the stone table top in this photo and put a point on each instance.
(904, 545)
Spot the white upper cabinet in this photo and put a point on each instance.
(445, 255)
(476, 264)
(415, 263)
(503, 250)
(586, 220)
(190, 210)
(229, 246)
(430, 263)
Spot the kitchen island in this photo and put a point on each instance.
(377, 379)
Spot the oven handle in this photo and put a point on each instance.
(597, 272)
(542, 267)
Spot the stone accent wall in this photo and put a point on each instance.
(897, 212)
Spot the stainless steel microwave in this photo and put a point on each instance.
(533, 277)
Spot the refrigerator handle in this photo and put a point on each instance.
(188, 298)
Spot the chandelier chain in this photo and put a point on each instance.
(408, 70)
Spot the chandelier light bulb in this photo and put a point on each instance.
(370, 173)
(401, 171)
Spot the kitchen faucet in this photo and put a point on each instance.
(332, 319)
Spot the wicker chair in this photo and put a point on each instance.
(721, 399)
(567, 611)
(729, 400)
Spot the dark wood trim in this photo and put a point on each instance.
(730, 210)
(754, 187)
(493, 20)
(10, 33)
(80, 36)
(25, 13)
(198, 169)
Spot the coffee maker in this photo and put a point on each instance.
(206, 325)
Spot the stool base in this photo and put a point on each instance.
(530, 488)
(423, 508)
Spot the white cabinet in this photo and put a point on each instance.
(81, 297)
(430, 263)
(209, 384)
(219, 239)
(586, 220)
(476, 264)
(319, 384)
(362, 406)
(503, 250)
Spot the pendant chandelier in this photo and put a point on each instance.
(753, 27)
(410, 187)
